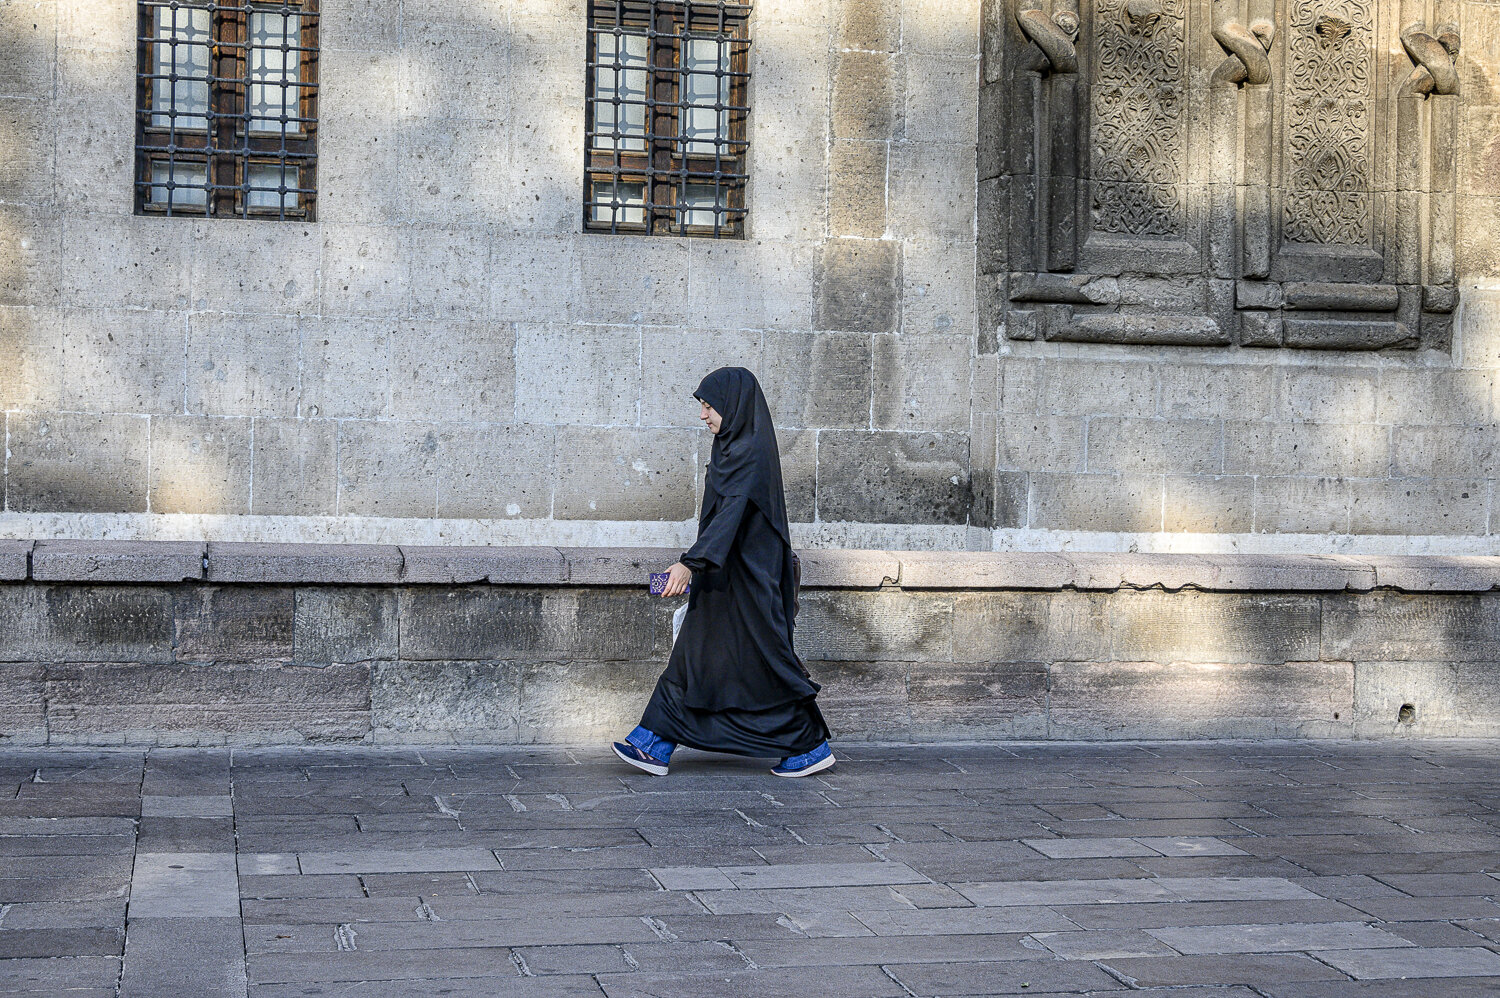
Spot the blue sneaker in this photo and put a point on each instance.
(639, 759)
(807, 763)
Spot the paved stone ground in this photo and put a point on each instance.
(1291, 870)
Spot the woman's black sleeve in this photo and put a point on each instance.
(711, 550)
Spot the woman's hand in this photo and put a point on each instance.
(679, 575)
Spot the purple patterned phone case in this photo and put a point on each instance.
(659, 583)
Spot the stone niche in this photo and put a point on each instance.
(1253, 173)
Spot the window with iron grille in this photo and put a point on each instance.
(226, 109)
(666, 139)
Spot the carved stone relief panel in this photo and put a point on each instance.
(1219, 172)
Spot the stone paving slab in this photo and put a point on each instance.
(1212, 870)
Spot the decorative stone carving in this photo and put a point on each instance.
(1130, 196)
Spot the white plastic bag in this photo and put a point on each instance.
(680, 613)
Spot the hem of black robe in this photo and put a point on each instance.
(782, 730)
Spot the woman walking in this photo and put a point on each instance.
(733, 682)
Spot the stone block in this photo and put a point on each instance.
(1032, 442)
(931, 192)
(1298, 504)
(938, 293)
(96, 150)
(240, 365)
(23, 705)
(854, 626)
(490, 471)
(1143, 446)
(161, 704)
(533, 279)
(751, 283)
(388, 468)
(1108, 570)
(154, 962)
(27, 173)
(983, 570)
(1329, 394)
(1389, 627)
(358, 154)
(345, 624)
(200, 464)
(460, 165)
(1021, 381)
(987, 700)
(1101, 388)
(116, 561)
(1357, 450)
(1202, 699)
(915, 379)
(856, 194)
(792, 191)
(123, 360)
(674, 360)
(1436, 573)
(28, 44)
(578, 374)
(372, 25)
(336, 564)
(30, 255)
(507, 565)
(1096, 502)
(1214, 504)
(591, 566)
(869, 95)
(257, 266)
(67, 623)
(364, 270)
(1270, 572)
(891, 477)
(625, 474)
(129, 262)
(31, 371)
(623, 625)
(446, 272)
(474, 51)
(939, 26)
(1418, 506)
(487, 624)
(1443, 451)
(817, 380)
(869, 25)
(848, 568)
(1030, 627)
(1217, 391)
(345, 368)
(77, 463)
(574, 702)
(293, 466)
(630, 280)
(214, 625)
(863, 699)
(15, 560)
(1448, 699)
(1435, 397)
(446, 701)
(941, 94)
(1201, 627)
(858, 285)
(799, 473)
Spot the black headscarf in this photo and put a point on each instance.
(745, 460)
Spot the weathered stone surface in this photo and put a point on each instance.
(1030, 627)
(1436, 573)
(1447, 699)
(1096, 502)
(846, 568)
(347, 564)
(487, 624)
(225, 624)
(998, 699)
(446, 701)
(863, 698)
(616, 566)
(894, 477)
(818, 380)
(631, 474)
(564, 701)
(498, 565)
(1129, 699)
(1388, 627)
(858, 626)
(161, 703)
(858, 286)
(65, 623)
(983, 570)
(23, 705)
(200, 464)
(76, 462)
(1215, 628)
(117, 561)
(15, 558)
(294, 467)
(1272, 572)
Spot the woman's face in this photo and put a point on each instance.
(710, 417)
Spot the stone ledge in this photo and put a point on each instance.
(378, 564)
(117, 561)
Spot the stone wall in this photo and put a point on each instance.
(444, 357)
(163, 644)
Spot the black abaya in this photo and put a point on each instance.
(734, 682)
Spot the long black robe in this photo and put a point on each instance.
(734, 682)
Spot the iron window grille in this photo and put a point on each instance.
(665, 129)
(226, 109)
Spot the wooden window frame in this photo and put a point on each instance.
(228, 147)
(664, 168)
